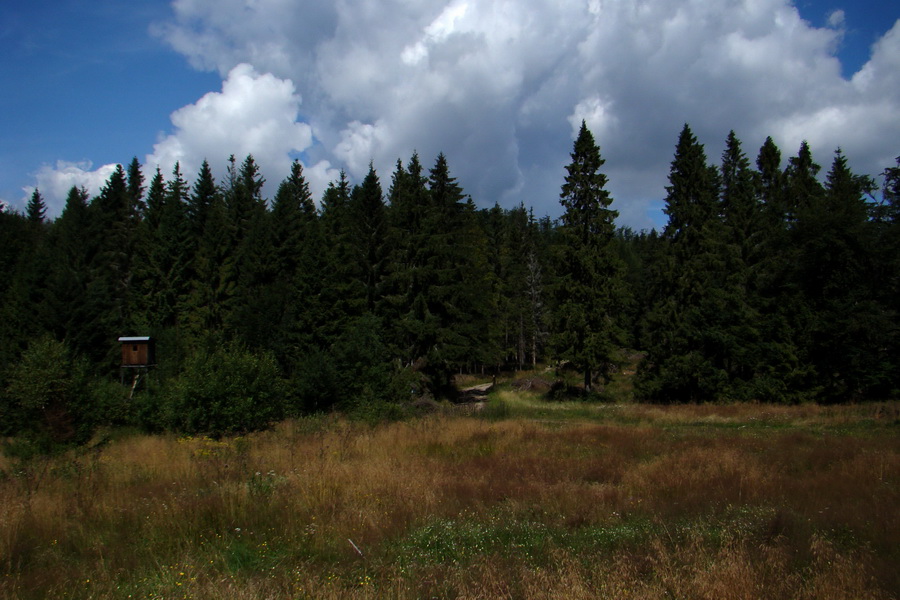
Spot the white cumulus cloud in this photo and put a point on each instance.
(837, 18)
(500, 86)
(253, 114)
(55, 181)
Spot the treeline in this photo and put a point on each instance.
(766, 284)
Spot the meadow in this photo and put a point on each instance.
(522, 499)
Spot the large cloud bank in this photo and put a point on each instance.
(253, 114)
(500, 86)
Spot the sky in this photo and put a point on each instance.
(499, 86)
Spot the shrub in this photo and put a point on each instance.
(224, 390)
(49, 398)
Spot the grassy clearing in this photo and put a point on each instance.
(531, 500)
(809, 417)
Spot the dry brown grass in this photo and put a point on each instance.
(692, 502)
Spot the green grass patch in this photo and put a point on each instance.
(471, 537)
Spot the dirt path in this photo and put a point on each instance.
(477, 390)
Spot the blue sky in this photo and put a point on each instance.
(500, 87)
(865, 22)
(85, 81)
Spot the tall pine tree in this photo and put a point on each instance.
(687, 351)
(368, 228)
(36, 211)
(590, 285)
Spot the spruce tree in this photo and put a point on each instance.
(770, 183)
(506, 329)
(72, 249)
(409, 202)
(847, 327)
(783, 375)
(156, 197)
(144, 277)
(243, 194)
(36, 211)
(804, 195)
(296, 291)
(687, 351)
(803, 191)
(250, 310)
(136, 186)
(107, 313)
(205, 193)
(212, 268)
(739, 306)
(341, 296)
(590, 285)
(368, 229)
(455, 311)
(23, 284)
(692, 200)
(171, 254)
(293, 212)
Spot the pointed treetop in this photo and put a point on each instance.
(735, 165)
(802, 179)
(135, 184)
(178, 188)
(336, 195)
(371, 187)
(399, 182)
(692, 193)
(445, 191)
(584, 183)
(77, 200)
(204, 194)
(293, 195)
(37, 209)
(769, 159)
(156, 197)
(414, 167)
(845, 191)
(114, 201)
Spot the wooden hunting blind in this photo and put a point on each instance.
(137, 352)
(138, 356)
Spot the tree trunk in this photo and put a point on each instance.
(520, 347)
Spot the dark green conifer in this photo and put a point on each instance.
(590, 285)
(136, 187)
(295, 294)
(205, 193)
(687, 354)
(368, 229)
(36, 211)
(847, 326)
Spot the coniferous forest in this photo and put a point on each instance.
(773, 281)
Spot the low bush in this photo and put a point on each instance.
(224, 390)
(49, 399)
